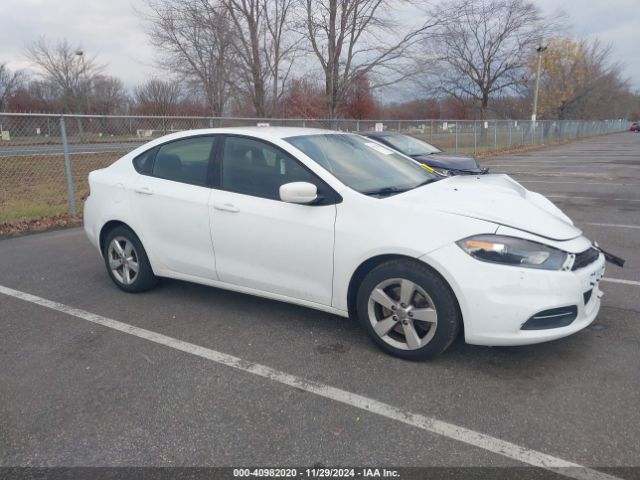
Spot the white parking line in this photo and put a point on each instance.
(622, 281)
(592, 198)
(565, 165)
(536, 162)
(540, 173)
(613, 225)
(583, 183)
(429, 424)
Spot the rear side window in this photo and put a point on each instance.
(185, 160)
(144, 162)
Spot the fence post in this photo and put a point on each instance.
(509, 133)
(533, 131)
(495, 135)
(71, 195)
(475, 139)
(456, 130)
(539, 130)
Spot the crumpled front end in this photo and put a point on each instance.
(507, 305)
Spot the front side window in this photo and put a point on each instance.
(362, 164)
(185, 160)
(256, 168)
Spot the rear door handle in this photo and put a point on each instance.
(226, 207)
(143, 190)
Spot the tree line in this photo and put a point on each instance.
(464, 59)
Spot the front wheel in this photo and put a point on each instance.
(408, 310)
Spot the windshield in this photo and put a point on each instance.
(411, 146)
(362, 164)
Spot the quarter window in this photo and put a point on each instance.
(143, 162)
(255, 168)
(185, 160)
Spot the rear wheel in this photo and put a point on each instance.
(127, 262)
(408, 310)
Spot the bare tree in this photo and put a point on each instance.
(38, 96)
(610, 97)
(262, 48)
(108, 95)
(485, 51)
(351, 38)
(68, 69)
(194, 37)
(9, 83)
(281, 46)
(157, 97)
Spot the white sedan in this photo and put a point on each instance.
(340, 223)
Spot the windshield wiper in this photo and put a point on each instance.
(394, 190)
(386, 191)
(479, 171)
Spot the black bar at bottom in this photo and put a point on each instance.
(224, 473)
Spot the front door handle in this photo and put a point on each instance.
(143, 190)
(226, 207)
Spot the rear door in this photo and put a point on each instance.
(262, 242)
(170, 201)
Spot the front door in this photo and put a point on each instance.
(262, 242)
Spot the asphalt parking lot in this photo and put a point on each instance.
(78, 393)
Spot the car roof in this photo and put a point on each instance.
(263, 133)
(259, 132)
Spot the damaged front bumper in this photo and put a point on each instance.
(610, 257)
(505, 305)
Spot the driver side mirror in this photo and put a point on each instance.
(298, 192)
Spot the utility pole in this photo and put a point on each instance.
(87, 85)
(540, 48)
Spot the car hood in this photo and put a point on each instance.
(495, 198)
(447, 160)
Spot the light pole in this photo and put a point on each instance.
(86, 88)
(540, 48)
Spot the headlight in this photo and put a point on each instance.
(442, 171)
(513, 251)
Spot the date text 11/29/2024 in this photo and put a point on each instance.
(320, 472)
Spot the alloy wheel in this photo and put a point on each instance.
(402, 314)
(123, 260)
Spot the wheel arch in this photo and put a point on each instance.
(107, 227)
(365, 267)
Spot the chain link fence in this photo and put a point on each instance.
(45, 159)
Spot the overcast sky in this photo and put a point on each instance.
(112, 30)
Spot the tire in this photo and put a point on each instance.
(403, 297)
(123, 253)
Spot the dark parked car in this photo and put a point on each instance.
(443, 163)
(635, 127)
